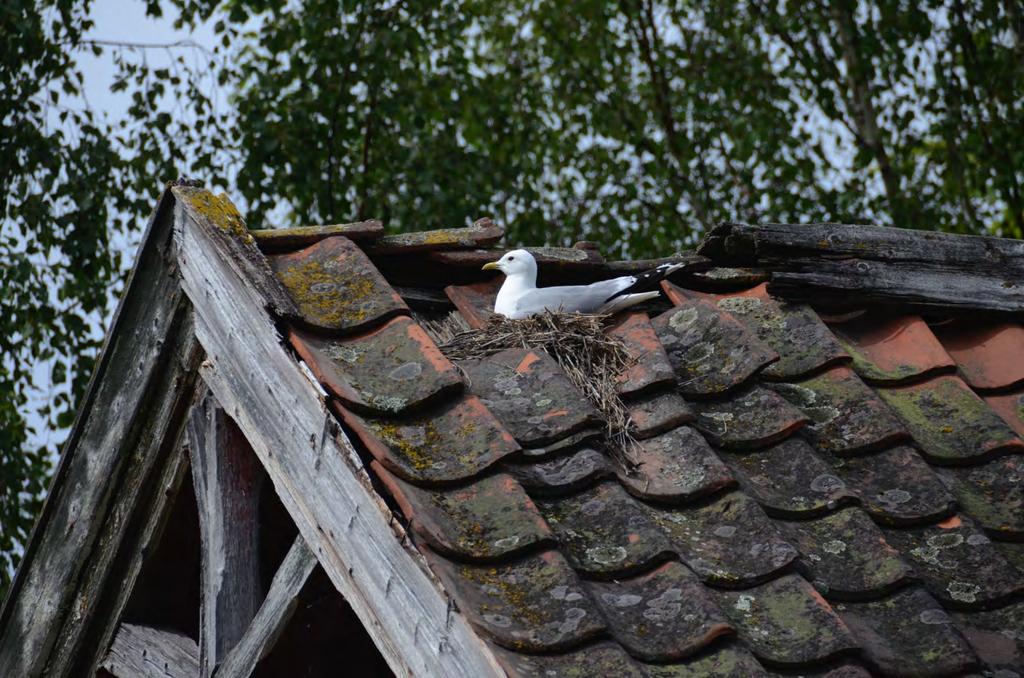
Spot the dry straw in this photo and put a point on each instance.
(590, 358)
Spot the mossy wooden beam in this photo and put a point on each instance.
(865, 265)
(482, 233)
(227, 228)
(284, 239)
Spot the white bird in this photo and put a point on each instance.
(519, 296)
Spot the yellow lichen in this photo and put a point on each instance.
(327, 296)
(221, 213)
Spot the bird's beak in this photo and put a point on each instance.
(491, 266)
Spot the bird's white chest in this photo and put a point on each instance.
(507, 301)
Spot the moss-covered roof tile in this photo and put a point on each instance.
(786, 622)
(530, 394)
(676, 466)
(753, 417)
(846, 416)
(727, 542)
(847, 556)
(445, 444)
(389, 370)
(489, 518)
(711, 352)
(908, 634)
(535, 603)
(789, 479)
(958, 563)
(896, 486)
(950, 422)
(336, 287)
(604, 532)
(663, 615)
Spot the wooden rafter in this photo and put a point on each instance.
(273, 614)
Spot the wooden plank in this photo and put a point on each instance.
(273, 614)
(227, 477)
(922, 270)
(284, 239)
(317, 473)
(85, 546)
(145, 652)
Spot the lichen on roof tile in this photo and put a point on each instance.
(530, 394)
(728, 658)
(649, 366)
(592, 661)
(753, 417)
(891, 350)
(786, 622)
(950, 423)
(727, 542)
(711, 352)
(992, 494)
(533, 604)
(908, 634)
(489, 518)
(391, 369)
(988, 355)
(896, 486)
(794, 331)
(847, 556)
(663, 615)
(676, 466)
(445, 444)
(653, 415)
(789, 479)
(603, 531)
(958, 563)
(562, 474)
(846, 415)
(336, 287)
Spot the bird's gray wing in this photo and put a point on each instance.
(569, 298)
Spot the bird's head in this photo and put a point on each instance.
(516, 262)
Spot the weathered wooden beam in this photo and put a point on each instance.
(273, 615)
(317, 473)
(227, 477)
(145, 652)
(115, 480)
(482, 233)
(923, 270)
(283, 239)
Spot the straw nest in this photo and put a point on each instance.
(578, 343)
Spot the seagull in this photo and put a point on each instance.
(519, 296)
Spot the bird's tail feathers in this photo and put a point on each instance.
(616, 304)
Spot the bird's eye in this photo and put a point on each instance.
(511, 258)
